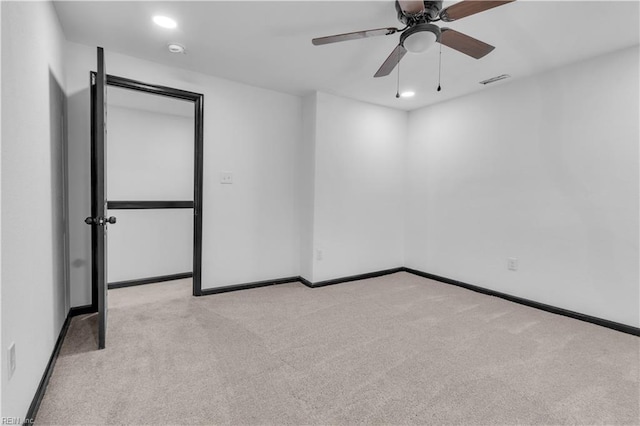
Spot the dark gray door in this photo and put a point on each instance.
(98, 219)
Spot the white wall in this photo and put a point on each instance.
(2, 360)
(79, 169)
(250, 227)
(149, 243)
(543, 169)
(150, 156)
(305, 185)
(359, 176)
(34, 292)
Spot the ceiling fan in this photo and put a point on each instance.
(420, 33)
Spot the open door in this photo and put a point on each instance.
(98, 220)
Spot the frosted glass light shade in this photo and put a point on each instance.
(419, 42)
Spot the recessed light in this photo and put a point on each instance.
(175, 48)
(164, 21)
(407, 94)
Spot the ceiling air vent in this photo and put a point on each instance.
(494, 79)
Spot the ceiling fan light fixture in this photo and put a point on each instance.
(420, 38)
(420, 42)
(407, 94)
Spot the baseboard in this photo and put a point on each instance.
(150, 280)
(82, 310)
(299, 279)
(42, 387)
(305, 282)
(533, 304)
(246, 286)
(350, 278)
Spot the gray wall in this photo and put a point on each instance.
(34, 293)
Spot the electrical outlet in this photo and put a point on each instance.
(512, 263)
(319, 254)
(226, 177)
(12, 359)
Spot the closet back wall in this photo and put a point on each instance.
(150, 146)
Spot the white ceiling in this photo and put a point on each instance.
(268, 43)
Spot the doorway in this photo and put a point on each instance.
(156, 219)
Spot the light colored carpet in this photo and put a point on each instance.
(398, 349)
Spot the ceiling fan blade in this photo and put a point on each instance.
(464, 43)
(391, 62)
(411, 7)
(469, 7)
(353, 36)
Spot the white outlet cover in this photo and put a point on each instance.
(226, 178)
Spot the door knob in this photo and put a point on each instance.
(99, 220)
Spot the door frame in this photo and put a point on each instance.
(198, 102)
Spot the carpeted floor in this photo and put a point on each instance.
(398, 349)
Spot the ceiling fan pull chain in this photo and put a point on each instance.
(398, 81)
(440, 67)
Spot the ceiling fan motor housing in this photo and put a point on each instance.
(430, 13)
